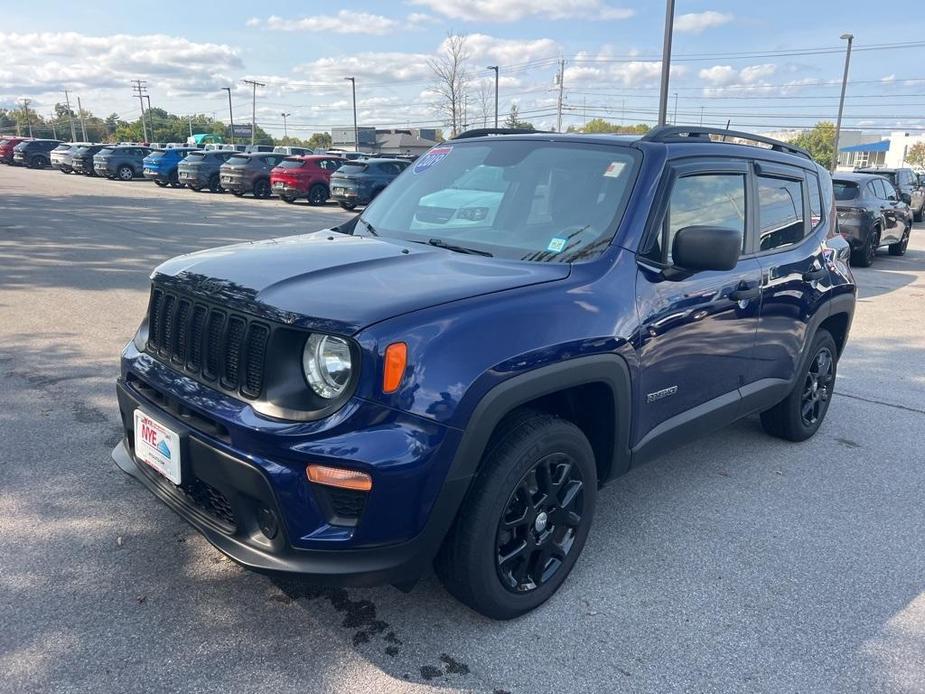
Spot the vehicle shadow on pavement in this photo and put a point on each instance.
(888, 273)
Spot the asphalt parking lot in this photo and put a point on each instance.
(738, 563)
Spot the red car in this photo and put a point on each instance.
(307, 176)
(6, 148)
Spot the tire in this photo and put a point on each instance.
(318, 194)
(215, 185)
(798, 416)
(347, 205)
(899, 249)
(125, 173)
(173, 180)
(917, 216)
(238, 193)
(194, 186)
(262, 189)
(161, 184)
(864, 256)
(531, 451)
(38, 163)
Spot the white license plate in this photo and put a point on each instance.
(340, 191)
(157, 446)
(226, 179)
(279, 185)
(149, 172)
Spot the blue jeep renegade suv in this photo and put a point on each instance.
(450, 377)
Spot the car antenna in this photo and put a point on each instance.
(728, 123)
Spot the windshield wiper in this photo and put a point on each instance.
(369, 227)
(440, 243)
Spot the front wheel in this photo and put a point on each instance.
(900, 247)
(525, 521)
(798, 416)
(864, 256)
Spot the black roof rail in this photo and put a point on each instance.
(482, 132)
(684, 133)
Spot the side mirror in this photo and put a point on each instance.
(699, 248)
(907, 198)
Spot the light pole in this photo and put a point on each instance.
(495, 68)
(356, 131)
(285, 127)
(666, 63)
(841, 102)
(230, 113)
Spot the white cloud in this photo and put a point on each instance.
(515, 10)
(722, 78)
(889, 78)
(592, 68)
(482, 47)
(344, 22)
(696, 22)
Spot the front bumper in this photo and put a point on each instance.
(229, 493)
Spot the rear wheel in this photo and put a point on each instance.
(38, 162)
(800, 414)
(864, 256)
(288, 199)
(215, 185)
(917, 216)
(194, 186)
(126, 173)
(159, 182)
(318, 194)
(525, 521)
(174, 180)
(262, 189)
(347, 205)
(900, 247)
(237, 193)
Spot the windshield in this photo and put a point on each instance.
(195, 156)
(290, 164)
(238, 160)
(352, 169)
(105, 150)
(519, 199)
(845, 190)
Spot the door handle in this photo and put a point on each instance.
(814, 275)
(745, 291)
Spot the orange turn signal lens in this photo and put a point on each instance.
(396, 358)
(339, 477)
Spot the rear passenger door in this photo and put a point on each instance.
(789, 246)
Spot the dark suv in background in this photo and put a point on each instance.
(450, 376)
(82, 159)
(249, 173)
(359, 182)
(36, 154)
(907, 182)
(871, 214)
(124, 162)
(200, 170)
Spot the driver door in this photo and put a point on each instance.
(697, 333)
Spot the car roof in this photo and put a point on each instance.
(854, 176)
(881, 169)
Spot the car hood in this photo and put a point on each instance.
(340, 283)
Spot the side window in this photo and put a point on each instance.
(780, 212)
(873, 189)
(716, 200)
(815, 199)
(889, 191)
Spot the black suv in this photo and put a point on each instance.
(201, 169)
(359, 182)
(871, 214)
(450, 376)
(82, 160)
(910, 187)
(36, 154)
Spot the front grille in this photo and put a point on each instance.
(210, 500)
(209, 342)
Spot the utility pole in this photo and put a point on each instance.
(356, 130)
(25, 108)
(80, 114)
(54, 130)
(254, 108)
(70, 116)
(701, 116)
(190, 117)
(841, 102)
(674, 120)
(230, 112)
(285, 127)
(139, 88)
(561, 80)
(666, 63)
(150, 116)
(495, 68)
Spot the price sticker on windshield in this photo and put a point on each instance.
(433, 157)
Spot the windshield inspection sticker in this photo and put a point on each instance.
(434, 156)
(556, 245)
(615, 169)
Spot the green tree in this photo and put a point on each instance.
(320, 140)
(599, 125)
(513, 120)
(916, 154)
(819, 142)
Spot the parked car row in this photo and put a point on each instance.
(291, 173)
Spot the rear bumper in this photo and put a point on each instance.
(229, 498)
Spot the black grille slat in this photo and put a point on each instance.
(208, 342)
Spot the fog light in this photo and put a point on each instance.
(339, 477)
(269, 526)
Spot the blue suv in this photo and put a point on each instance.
(161, 165)
(450, 377)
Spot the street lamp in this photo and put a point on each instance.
(356, 131)
(230, 112)
(285, 127)
(666, 63)
(495, 68)
(841, 102)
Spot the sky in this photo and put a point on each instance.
(764, 65)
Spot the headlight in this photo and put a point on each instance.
(327, 365)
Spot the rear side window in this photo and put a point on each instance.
(780, 212)
(238, 160)
(353, 168)
(815, 199)
(716, 200)
(291, 164)
(844, 190)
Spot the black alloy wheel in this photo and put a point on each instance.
(215, 185)
(262, 189)
(318, 195)
(537, 529)
(899, 249)
(817, 388)
(158, 182)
